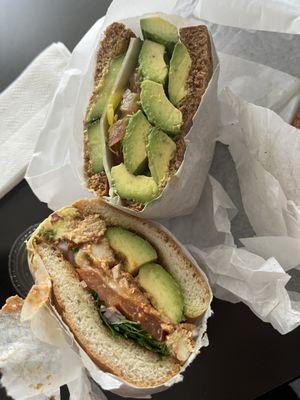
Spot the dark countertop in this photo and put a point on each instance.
(246, 357)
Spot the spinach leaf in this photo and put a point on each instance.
(130, 330)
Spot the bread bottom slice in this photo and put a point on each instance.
(124, 358)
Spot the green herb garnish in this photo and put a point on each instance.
(49, 234)
(130, 330)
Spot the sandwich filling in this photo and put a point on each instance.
(138, 114)
(134, 293)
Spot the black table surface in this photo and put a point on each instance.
(246, 357)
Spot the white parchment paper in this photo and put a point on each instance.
(34, 367)
(271, 15)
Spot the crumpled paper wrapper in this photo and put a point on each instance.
(35, 359)
(59, 153)
(238, 274)
(266, 151)
(272, 15)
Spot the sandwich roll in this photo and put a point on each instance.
(124, 287)
(146, 93)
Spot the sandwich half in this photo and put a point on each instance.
(124, 287)
(146, 93)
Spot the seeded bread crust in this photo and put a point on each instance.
(116, 40)
(296, 120)
(197, 41)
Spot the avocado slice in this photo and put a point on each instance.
(158, 109)
(160, 150)
(152, 63)
(131, 248)
(104, 88)
(180, 65)
(159, 30)
(139, 188)
(134, 143)
(165, 293)
(94, 147)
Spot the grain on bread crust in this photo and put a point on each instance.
(116, 40)
(178, 156)
(296, 120)
(133, 205)
(197, 41)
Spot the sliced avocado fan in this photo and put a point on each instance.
(147, 147)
